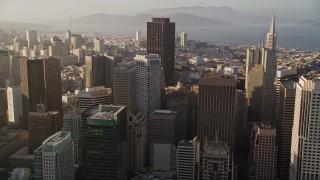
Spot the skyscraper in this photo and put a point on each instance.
(95, 70)
(32, 87)
(161, 41)
(72, 123)
(52, 81)
(137, 140)
(183, 40)
(177, 101)
(104, 153)
(188, 159)
(264, 59)
(94, 96)
(125, 94)
(15, 108)
(148, 83)
(217, 108)
(216, 160)
(305, 141)
(285, 118)
(125, 85)
(42, 125)
(99, 46)
(3, 107)
(54, 158)
(162, 125)
(138, 35)
(282, 74)
(31, 38)
(100, 70)
(40, 83)
(263, 152)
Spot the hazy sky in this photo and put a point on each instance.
(56, 9)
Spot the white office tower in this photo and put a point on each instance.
(138, 35)
(21, 174)
(99, 46)
(305, 145)
(68, 35)
(94, 96)
(31, 38)
(184, 40)
(15, 107)
(260, 74)
(216, 161)
(148, 83)
(54, 158)
(188, 158)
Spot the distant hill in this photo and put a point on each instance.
(308, 23)
(225, 14)
(21, 26)
(181, 19)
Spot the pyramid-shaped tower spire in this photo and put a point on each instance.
(272, 35)
(273, 26)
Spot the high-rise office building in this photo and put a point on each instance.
(125, 85)
(148, 83)
(100, 70)
(161, 41)
(263, 152)
(260, 85)
(110, 63)
(32, 87)
(217, 108)
(31, 38)
(138, 35)
(137, 140)
(42, 125)
(40, 83)
(15, 108)
(125, 94)
(188, 159)
(54, 158)
(305, 142)
(162, 126)
(177, 101)
(216, 160)
(183, 40)
(94, 70)
(52, 81)
(99, 46)
(282, 74)
(72, 123)
(3, 107)
(285, 118)
(94, 96)
(104, 153)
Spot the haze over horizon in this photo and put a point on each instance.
(61, 9)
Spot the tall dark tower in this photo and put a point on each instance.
(161, 41)
(40, 83)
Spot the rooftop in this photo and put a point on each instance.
(163, 112)
(22, 154)
(105, 112)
